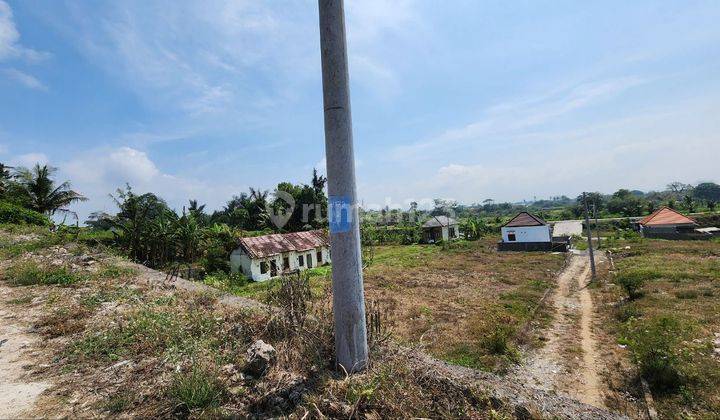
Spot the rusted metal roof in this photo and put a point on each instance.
(277, 243)
(666, 216)
(525, 219)
(438, 221)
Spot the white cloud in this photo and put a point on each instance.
(29, 159)
(520, 117)
(100, 172)
(10, 46)
(24, 79)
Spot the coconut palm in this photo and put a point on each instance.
(41, 192)
(5, 178)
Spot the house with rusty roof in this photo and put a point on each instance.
(528, 232)
(264, 257)
(667, 223)
(440, 228)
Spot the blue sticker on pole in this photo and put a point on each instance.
(340, 213)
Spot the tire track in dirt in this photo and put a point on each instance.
(18, 392)
(569, 362)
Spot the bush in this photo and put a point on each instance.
(654, 347)
(17, 215)
(497, 341)
(198, 389)
(633, 281)
(627, 312)
(226, 282)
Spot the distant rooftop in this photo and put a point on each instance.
(666, 216)
(277, 243)
(439, 221)
(525, 219)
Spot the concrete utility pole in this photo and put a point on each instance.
(597, 229)
(351, 347)
(589, 235)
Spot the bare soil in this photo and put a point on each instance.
(569, 362)
(19, 390)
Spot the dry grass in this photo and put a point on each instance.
(465, 303)
(670, 328)
(115, 345)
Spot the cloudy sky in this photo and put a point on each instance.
(458, 99)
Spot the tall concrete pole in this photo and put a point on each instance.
(351, 347)
(589, 235)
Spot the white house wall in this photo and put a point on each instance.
(527, 233)
(242, 263)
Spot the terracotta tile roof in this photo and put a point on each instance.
(277, 243)
(525, 219)
(666, 216)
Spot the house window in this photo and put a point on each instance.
(301, 261)
(319, 257)
(263, 267)
(453, 234)
(511, 237)
(286, 263)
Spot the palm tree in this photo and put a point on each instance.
(41, 192)
(5, 178)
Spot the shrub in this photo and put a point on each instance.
(654, 347)
(17, 215)
(633, 281)
(199, 388)
(627, 312)
(226, 282)
(497, 341)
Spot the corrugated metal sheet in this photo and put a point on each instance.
(666, 216)
(438, 221)
(267, 245)
(525, 219)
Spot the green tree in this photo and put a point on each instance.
(707, 191)
(42, 193)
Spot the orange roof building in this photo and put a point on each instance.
(667, 217)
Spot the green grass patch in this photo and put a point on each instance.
(198, 389)
(30, 273)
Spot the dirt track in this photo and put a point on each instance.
(19, 393)
(569, 361)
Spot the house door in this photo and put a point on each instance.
(273, 268)
(309, 260)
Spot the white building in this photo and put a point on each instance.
(440, 228)
(263, 257)
(526, 227)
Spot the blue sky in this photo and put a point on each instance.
(465, 100)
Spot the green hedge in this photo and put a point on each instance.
(17, 215)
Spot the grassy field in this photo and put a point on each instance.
(112, 344)
(664, 306)
(464, 302)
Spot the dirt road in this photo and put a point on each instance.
(569, 362)
(19, 392)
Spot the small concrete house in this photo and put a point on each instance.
(526, 232)
(440, 228)
(264, 257)
(667, 223)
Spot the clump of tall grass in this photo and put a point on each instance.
(30, 273)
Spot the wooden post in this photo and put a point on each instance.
(351, 349)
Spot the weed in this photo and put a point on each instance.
(200, 388)
(627, 312)
(686, 294)
(29, 273)
(633, 281)
(116, 404)
(21, 300)
(654, 345)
